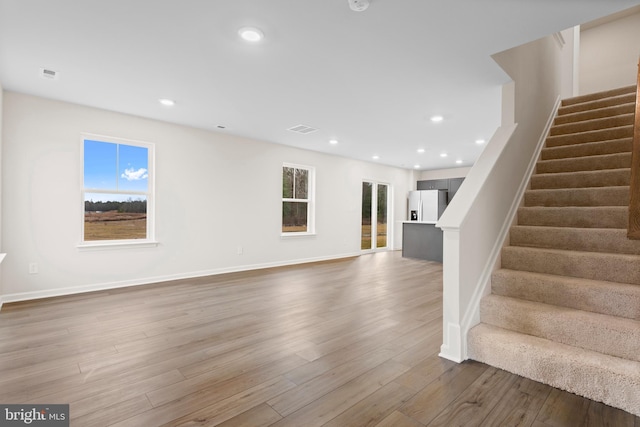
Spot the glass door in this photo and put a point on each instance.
(375, 197)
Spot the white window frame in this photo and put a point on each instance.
(310, 201)
(149, 194)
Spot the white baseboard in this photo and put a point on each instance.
(49, 293)
(446, 350)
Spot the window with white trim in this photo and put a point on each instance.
(297, 199)
(117, 190)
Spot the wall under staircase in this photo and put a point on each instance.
(565, 305)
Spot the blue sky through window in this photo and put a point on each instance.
(115, 167)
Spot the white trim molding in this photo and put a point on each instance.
(26, 296)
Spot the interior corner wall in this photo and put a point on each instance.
(609, 55)
(214, 193)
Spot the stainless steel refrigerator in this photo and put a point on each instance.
(426, 205)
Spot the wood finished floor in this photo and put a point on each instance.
(344, 343)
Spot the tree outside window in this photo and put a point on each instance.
(297, 203)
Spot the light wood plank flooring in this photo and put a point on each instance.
(344, 343)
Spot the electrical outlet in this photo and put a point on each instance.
(239, 250)
(33, 268)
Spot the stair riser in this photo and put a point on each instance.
(591, 163)
(596, 217)
(624, 98)
(597, 332)
(604, 196)
(607, 178)
(618, 268)
(591, 136)
(601, 378)
(575, 239)
(600, 113)
(590, 125)
(614, 299)
(588, 149)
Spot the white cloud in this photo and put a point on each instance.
(135, 175)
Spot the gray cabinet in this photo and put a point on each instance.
(422, 241)
(433, 184)
(454, 184)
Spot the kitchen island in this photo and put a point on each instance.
(421, 240)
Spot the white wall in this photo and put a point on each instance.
(214, 192)
(476, 222)
(444, 173)
(609, 54)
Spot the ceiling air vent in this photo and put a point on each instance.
(46, 73)
(303, 129)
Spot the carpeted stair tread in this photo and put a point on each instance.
(598, 296)
(610, 240)
(609, 101)
(595, 178)
(593, 124)
(608, 379)
(590, 136)
(623, 145)
(565, 302)
(595, 196)
(588, 163)
(575, 216)
(598, 113)
(605, 334)
(620, 268)
(589, 97)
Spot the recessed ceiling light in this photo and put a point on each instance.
(251, 34)
(420, 150)
(437, 119)
(376, 157)
(459, 161)
(333, 141)
(443, 154)
(416, 166)
(167, 102)
(480, 141)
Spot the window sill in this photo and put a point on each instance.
(294, 235)
(117, 245)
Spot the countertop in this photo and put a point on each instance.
(420, 222)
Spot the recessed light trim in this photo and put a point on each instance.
(375, 157)
(251, 34)
(167, 102)
(416, 166)
(459, 162)
(443, 154)
(333, 141)
(437, 118)
(420, 150)
(480, 141)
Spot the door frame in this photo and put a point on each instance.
(374, 216)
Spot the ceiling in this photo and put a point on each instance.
(370, 79)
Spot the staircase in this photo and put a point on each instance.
(565, 305)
